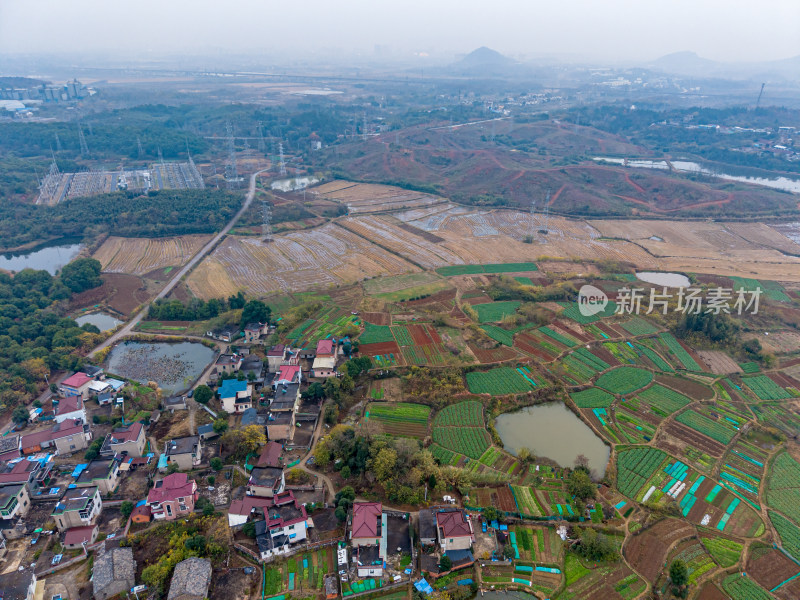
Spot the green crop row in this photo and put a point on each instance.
(498, 382)
(664, 398)
(592, 398)
(624, 380)
(713, 429)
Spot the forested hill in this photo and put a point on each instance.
(156, 214)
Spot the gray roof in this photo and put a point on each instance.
(427, 524)
(191, 578)
(111, 565)
(184, 445)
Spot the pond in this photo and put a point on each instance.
(103, 321)
(555, 432)
(673, 280)
(48, 258)
(296, 183)
(173, 366)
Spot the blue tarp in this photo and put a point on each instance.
(423, 586)
(162, 461)
(78, 470)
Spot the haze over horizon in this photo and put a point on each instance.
(583, 30)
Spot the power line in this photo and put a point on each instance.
(231, 172)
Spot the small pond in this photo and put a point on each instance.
(103, 321)
(673, 280)
(553, 431)
(47, 258)
(173, 366)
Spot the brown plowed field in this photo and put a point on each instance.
(711, 592)
(695, 391)
(771, 569)
(378, 318)
(600, 352)
(120, 292)
(492, 355)
(694, 439)
(719, 362)
(419, 334)
(647, 551)
(505, 499)
(379, 348)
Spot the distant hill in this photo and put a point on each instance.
(20, 82)
(692, 65)
(484, 62)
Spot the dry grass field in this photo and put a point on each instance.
(369, 197)
(297, 261)
(138, 256)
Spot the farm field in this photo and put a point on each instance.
(501, 381)
(139, 256)
(399, 418)
(495, 311)
(460, 428)
(370, 197)
(624, 380)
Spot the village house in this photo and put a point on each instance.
(206, 432)
(235, 396)
(172, 497)
(174, 403)
(369, 562)
(15, 501)
(266, 482)
(101, 473)
(76, 537)
(96, 373)
(285, 522)
(270, 455)
(454, 530)
(10, 447)
(280, 355)
(76, 384)
(427, 527)
(228, 363)
(287, 375)
(142, 513)
(254, 331)
(280, 426)
(70, 408)
(190, 580)
(365, 527)
(253, 369)
(186, 452)
(241, 510)
(125, 441)
(113, 573)
(78, 507)
(100, 387)
(32, 472)
(66, 437)
(325, 361)
(331, 587)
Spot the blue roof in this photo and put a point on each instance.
(230, 387)
(249, 417)
(162, 461)
(423, 586)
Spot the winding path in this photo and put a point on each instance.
(128, 327)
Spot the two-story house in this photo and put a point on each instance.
(101, 473)
(78, 507)
(125, 441)
(76, 384)
(66, 437)
(454, 530)
(172, 497)
(365, 527)
(266, 482)
(254, 331)
(235, 396)
(228, 363)
(32, 472)
(186, 452)
(15, 501)
(285, 522)
(70, 408)
(325, 360)
(287, 375)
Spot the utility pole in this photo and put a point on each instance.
(231, 172)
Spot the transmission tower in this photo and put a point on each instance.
(282, 161)
(364, 133)
(266, 220)
(532, 224)
(261, 144)
(58, 143)
(231, 172)
(545, 230)
(49, 186)
(82, 141)
(139, 146)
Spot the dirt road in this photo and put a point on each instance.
(128, 327)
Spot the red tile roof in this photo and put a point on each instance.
(131, 432)
(453, 524)
(277, 350)
(325, 347)
(78, 535)
(174, 486)
(270, 455)
(366, 516)
(76, 380)
(288, 373)
(246, 505)
(68, 405)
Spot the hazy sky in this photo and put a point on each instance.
(633, 30)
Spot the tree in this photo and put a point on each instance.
(490, 513)
(580, 485)
(346, 384)
(211, 480)
(82, 274)
(203, 394)
(216, 463)
(679, 573)
(383, 465)
(255, 311)
(345, 472)
(20, 416)
(508, 551)
(341, 514)
(596, 546)
(314, 392)
(126, 508)
(196, 543)
(220, 425)
(525, 455)
(432, 481)
(331, 415)
(249, 529)
(445, 564)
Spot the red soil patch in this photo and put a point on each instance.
(379, 348)
(120, 292)
(378, 318)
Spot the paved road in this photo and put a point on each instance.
(128, 327)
